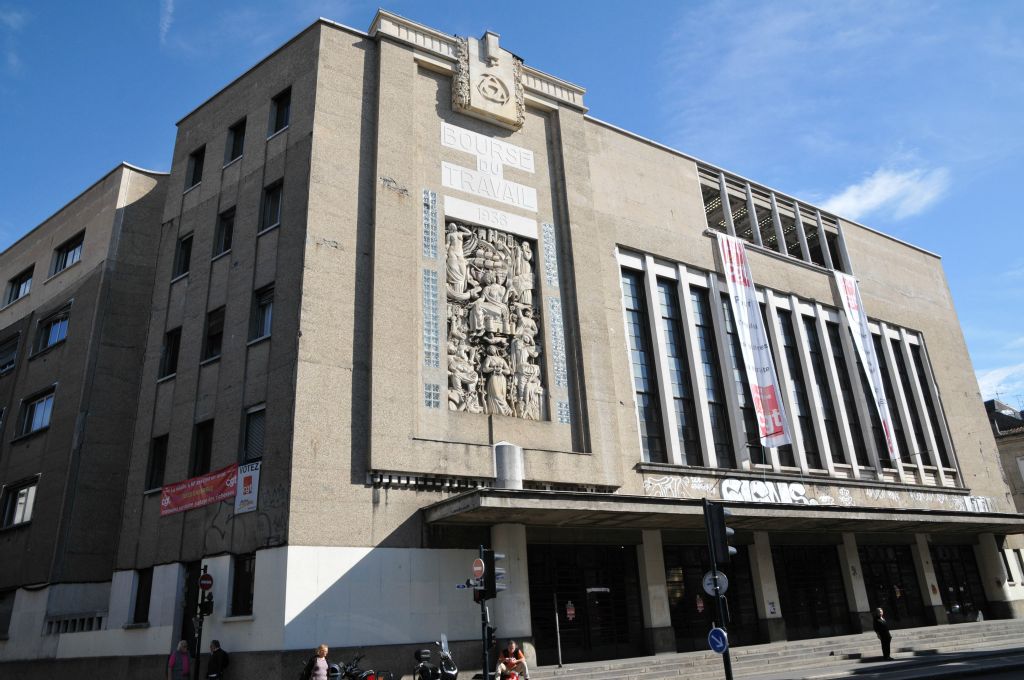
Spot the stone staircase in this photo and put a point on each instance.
(755, 661)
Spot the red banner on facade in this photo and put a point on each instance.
(196, 492)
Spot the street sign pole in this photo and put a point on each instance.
(726, 661)
(484, 624)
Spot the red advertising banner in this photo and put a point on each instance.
(196, 492)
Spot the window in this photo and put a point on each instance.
(36, 413)
(262, 313)
(915, 417)
(828, 408)
(222, 234)
(280, 110)
(68, 254)
(52, 329)
(6, 610)
(645, 381)
(894, 414)
(1020, 563)
(17, 504)
(143, 594)
(1006, 566)
(169, 355)
(929, 403)
(255, 430)
(19, 286)
(271, 215)
(846, 387)
(243, 584)
(236, 140)
(798, 392)
(714, 390)
(8, 353)
(157, 463)
(182, 256)
(214, 334)
(194, 174)
(679, 373)
(202, 448)
(751, 428)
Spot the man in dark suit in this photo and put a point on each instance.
(219, 661)
(882, 631)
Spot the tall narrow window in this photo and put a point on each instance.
(1020, 563)
(8, 353)
(262, 315)
(143, 594)
(714, 389)
(255, 432)
(271, 215)
(645, 381)
(929, 404)
(280, 111)
(908, 392)
(17, 503)
(798, 391)
(224, 232)
(202, 448)
(169, 354)
(828, 407)
(182, 256)
(751, 428)
(36, 412)
(849, 400)
(52, 329)
(214, 334)
(19, 286)
(6, 610)
(68, 253)
(890, 399)
(679, 373)
(236, 141)
(157, 463)
(243, 584)
(194, 174)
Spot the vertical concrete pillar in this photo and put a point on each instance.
(853, 583)
(661, 638)
(993, 577)
(766, 590)
(931, 596)
(510, 611)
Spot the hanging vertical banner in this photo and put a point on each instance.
(248, 488)
(757, 355)
(849, 291)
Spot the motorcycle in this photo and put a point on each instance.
(445, 668)
(352, 671)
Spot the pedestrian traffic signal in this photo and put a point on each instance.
(494, 577)
(206, 606)
(492, 640)
(719, 534)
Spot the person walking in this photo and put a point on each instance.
(216, 669)
(316, 667)
(178, 663)
(882, 631)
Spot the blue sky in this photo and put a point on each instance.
(907, 116)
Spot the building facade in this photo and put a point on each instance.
(443, 307)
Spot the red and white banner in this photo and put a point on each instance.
(196, 492)
(849, 292)
(765, 390)
(248, 486)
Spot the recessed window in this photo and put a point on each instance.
(224, 231)
(16, 505)
(271, 215)
(255, 432)
(214, 334)
(6, 610)
(280, 110)
(202, 448)
(52, 329)
(262, 313)
(243, 584)
(143, 594)
(169, 354)
(68, 254)
(194, 174)
(19, 286)
(182, 257)
(36, 413)
(8, 353)
(157, 463)
(236, 141)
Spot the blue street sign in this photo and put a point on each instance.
(718, 641)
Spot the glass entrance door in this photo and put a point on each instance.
(891, 583)
(811, 591)
(963, 595)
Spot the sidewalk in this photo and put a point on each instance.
(910, 667)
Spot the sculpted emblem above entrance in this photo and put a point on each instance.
(488, 82)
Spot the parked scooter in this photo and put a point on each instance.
(445, 668)
(352, 671)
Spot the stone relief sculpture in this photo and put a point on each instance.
(493, 353)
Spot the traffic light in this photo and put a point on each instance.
(492, 640)
(718, 533)
(494, 577)
(206, 606)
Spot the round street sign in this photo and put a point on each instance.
(478, 568)
(205, 582)
(718, 641)
(709, 583)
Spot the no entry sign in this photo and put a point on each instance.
(205, 582)
(478, 568)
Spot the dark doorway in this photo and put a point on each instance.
(891, 583)
(811, 591)
(595, 592)
(188, 605)
(963, 595)
(693, 610)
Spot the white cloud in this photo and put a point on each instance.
(166, 18)
(898, 193)
(12, 18)
(1005, 382)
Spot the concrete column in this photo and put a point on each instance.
(510, 611)
(766, 591)
(853, 583)
(993, 577)
(661, 638)
(929, 583)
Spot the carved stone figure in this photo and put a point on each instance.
(493, 355)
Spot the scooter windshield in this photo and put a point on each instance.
(444, 643)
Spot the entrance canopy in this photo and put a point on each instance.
(599, 510)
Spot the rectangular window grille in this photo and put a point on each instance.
(550, 255)
(431, 321)
(558, 359)
(930, 406)
(432, 395)
(564, 414)
(714, 389)
(429, 224)
(849, 399)
(679, 372)
(751, 429)
(645, 381)
(894, 413)
(798, 392)
(828, 407)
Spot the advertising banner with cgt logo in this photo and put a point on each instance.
(248, 488)
(200, 491)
